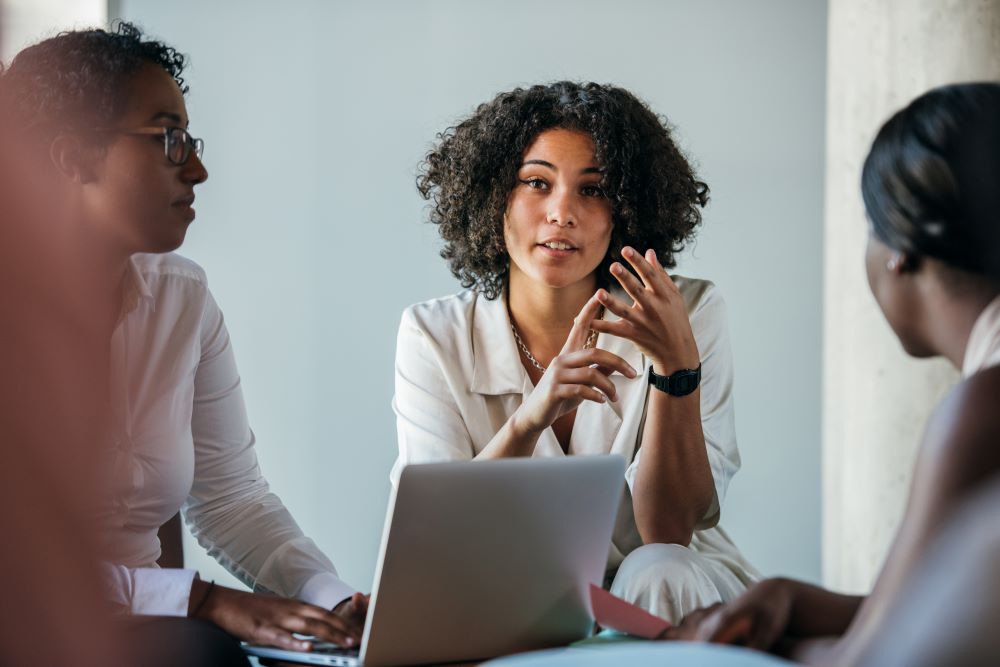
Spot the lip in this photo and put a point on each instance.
(552, 252)
(185, 205)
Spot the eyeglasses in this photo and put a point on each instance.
(177, 143)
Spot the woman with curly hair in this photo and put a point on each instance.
(101, 120)
(560, 206)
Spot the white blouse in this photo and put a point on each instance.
(459, 378)
(181, 440)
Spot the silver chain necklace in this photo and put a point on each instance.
(591, 341)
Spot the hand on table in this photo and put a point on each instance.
(271, 621)
(577, 374)
(657, 321)
(757, 619)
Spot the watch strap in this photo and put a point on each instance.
(681, 383)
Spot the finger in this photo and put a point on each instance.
(589, 377)
(731, 629)
(580, 392)
(650, 278)
(270, 635)
(660, 270)
(577, 337)
(615, 305)
(632, 286)
(597, 356)
(318, 629)
(765, 634)
(618, 328)
(323, 624)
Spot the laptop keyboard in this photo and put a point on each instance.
(326, 648)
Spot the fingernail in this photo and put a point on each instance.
(626, 251)
(631, 372)
(616, 269)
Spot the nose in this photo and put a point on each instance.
(193, 171)
(560, 210)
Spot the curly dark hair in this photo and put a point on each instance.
(930, 182)
(75, 80)
(468, 177)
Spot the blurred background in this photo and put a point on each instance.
(316, 114)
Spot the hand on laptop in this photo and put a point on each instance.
(353, 611)
(271, 621)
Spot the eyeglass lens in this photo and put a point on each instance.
(179, 145)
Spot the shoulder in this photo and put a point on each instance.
(441, 315)
(169, 264)
(699, 294)
(962, 439)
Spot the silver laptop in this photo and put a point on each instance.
(485, 558)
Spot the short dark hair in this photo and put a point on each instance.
(76, 80)
(654, 193)
(931, 182)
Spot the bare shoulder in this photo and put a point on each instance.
(962, 440)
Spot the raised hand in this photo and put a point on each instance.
(271, 621)
(657, 320)
(575, 375)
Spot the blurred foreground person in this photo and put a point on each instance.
(53, 418)
(930, 186)
(101, 120)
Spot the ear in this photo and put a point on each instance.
(902, 262)
(74, 159)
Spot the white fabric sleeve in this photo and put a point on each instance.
(149, 590)
(709, 323)
(429, 424)
(231, 510)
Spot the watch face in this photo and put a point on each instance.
(685, 384)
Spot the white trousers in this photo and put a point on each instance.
(670, 580)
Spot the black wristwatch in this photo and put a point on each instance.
(681, 383)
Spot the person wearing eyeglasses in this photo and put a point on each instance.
(103, 117)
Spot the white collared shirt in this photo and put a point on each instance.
(181, 438)
(459, 378)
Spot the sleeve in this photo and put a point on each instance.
(709, 324)
(148, 590)
(231, 510)
(429, 423)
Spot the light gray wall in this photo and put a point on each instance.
(315, 114)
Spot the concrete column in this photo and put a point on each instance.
(881, 54)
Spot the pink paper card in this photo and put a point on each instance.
(614, 613)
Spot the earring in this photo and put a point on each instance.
(894, 262)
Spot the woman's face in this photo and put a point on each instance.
(139, 199)
(557, 227)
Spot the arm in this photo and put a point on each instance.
(231, 509)
(673, 490)
(781, 615)
(958, 454)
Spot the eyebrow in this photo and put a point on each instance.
(169, 115)
(544, 163)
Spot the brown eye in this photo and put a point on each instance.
(592, 191)
(534, 183)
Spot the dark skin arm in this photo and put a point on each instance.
(260, 619)
(958, 454)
